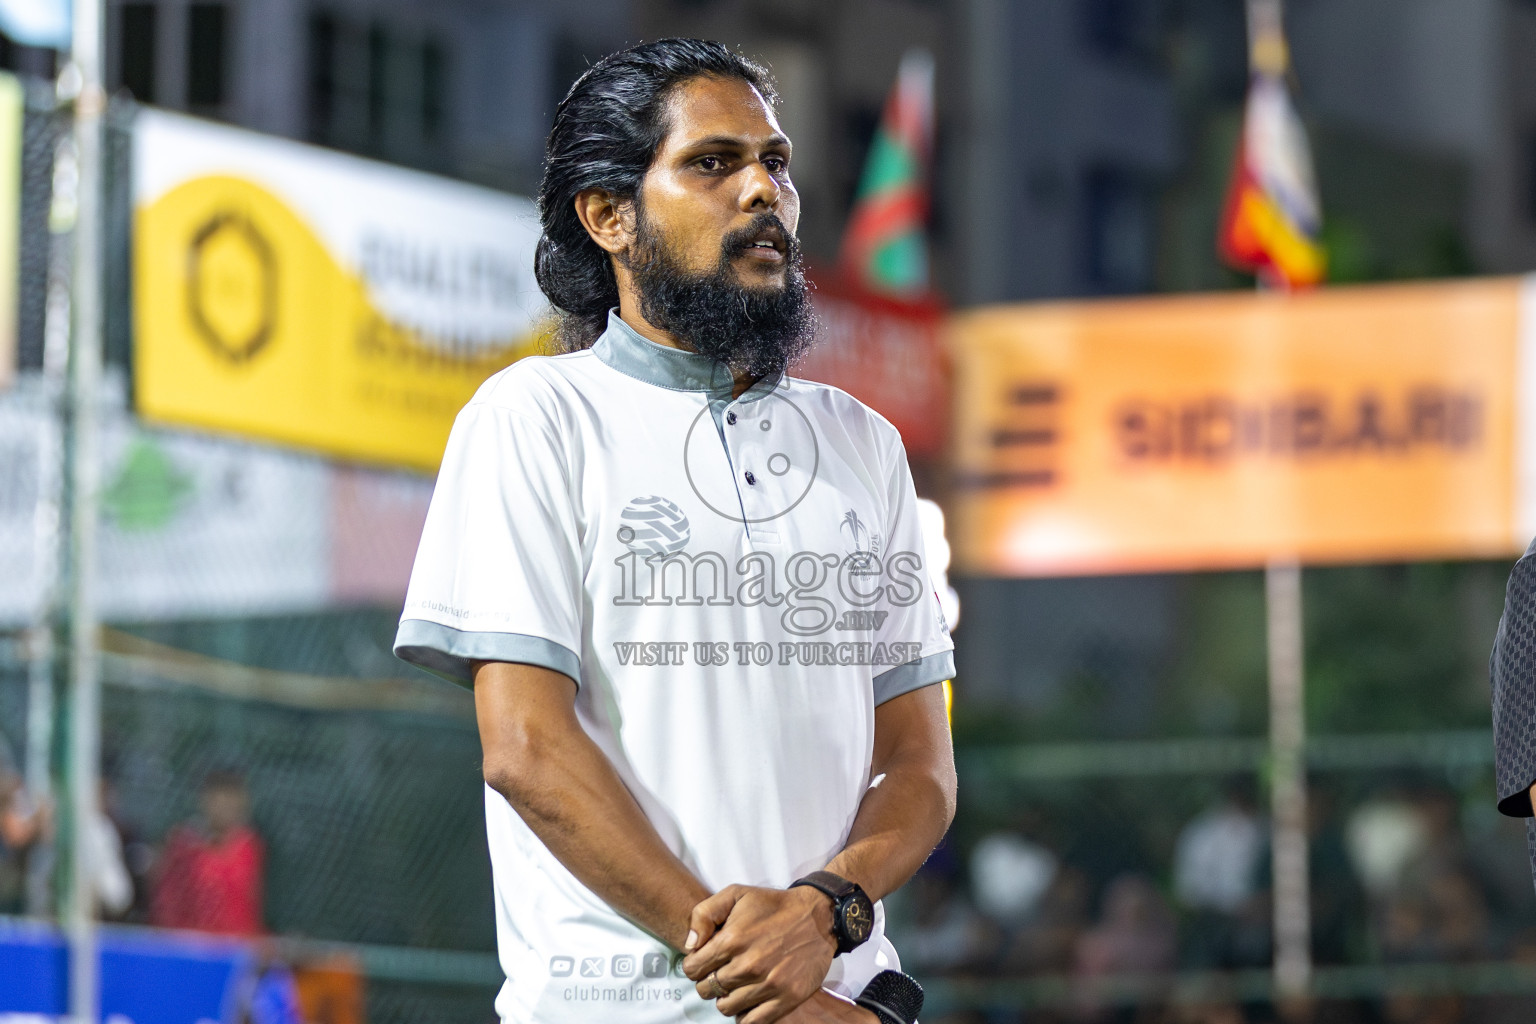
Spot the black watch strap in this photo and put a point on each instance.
(835, 886)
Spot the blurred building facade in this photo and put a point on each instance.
(1082, 148)
(459, 87)
(1444, 83)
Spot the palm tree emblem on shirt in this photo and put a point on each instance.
(862, 558)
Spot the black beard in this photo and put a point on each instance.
(756, 332)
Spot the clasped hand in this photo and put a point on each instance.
(767, 950)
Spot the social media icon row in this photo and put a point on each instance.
(652, 965)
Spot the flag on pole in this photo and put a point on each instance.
(1272, 219)
(36, 22)
(885, 248)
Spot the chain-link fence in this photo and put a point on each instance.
(250, 597)
(363, 783)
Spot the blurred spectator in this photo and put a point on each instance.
(269, 994)
(1215, 861)
(23, 827)
(1135, 933)
(114, 886)
(1336, 898)
(1216, 880)
(1460, 917)
(1208, 1012)
(1383, 837)
(1048, 943)
(1009, 874)
(943, 933)
(1441, 849)
(1444, 920)
(1414, 1008)
(1429, 905)
(1036, 907)
(210, 874)
(330, 989)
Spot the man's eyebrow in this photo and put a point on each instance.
(736, 142)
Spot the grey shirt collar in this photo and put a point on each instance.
(626, 350)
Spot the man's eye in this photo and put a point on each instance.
(776, 165)
(710, 163)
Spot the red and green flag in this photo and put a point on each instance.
(885, 248)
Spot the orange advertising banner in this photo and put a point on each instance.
(1352, 424)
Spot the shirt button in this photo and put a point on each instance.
(730, 418)
(750, 478)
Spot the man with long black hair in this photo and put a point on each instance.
(688, 589)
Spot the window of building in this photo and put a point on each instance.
(380, 83)
(1119, 229)
(376, 90)
(1123, 30)
(207, 50)
(322, 74)
(434, 89)
(1530, 176)
(136, 50)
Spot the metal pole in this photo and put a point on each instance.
(1288, 792)
(40, 645)
(48, 515)
(83, 77)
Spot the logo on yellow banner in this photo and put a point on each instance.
(232, 286)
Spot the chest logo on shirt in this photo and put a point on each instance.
(863, 546)
(653, 525)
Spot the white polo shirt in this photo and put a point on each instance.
(733, 584)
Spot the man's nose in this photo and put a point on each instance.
(762, 191)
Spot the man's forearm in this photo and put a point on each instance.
(905, 816)
(567, 791)
(898, 824)
(579, 808)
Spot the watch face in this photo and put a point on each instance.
(858, 918)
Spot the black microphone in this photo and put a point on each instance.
(894, 997)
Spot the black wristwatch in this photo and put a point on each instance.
(853, 915)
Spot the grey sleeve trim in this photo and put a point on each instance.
(914, 675)
(447, 652)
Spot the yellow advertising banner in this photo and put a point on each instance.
(11, 113)
(315, 299)
(1350, 424)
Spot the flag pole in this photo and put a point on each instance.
(1283, 609)
(81, 81)
(1288, 780)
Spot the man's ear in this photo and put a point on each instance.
(609, 221)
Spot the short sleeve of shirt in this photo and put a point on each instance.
(914, 615)
(498, 572)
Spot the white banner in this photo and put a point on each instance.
(192, 527)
